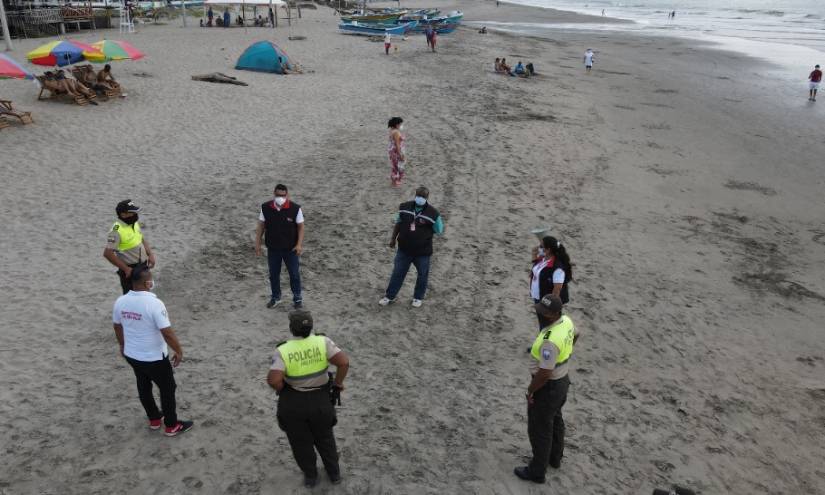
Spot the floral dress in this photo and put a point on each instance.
(395, 153)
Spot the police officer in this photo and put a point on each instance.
(305, 411)
(126, 247)
(547, 392)
(415, 224)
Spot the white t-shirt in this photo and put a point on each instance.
(588, 58)
(299, 218)
(388, 38)
(142, 315)
(558, 278)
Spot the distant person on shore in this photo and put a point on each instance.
(530, 69)
(520, 70)
(387, 42)
(428, 33)
(397, 150)
(506, 68)
(483, 30)
(226, 20)
(415, 224)
(144, 334)
(433, 38)
(813, 86)
(497, 66)
(589, 58)
(210, 15)
(271, 17)
(603, 13)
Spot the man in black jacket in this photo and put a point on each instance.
(415, 225)
(281, 225)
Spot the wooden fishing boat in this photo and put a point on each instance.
(373, 29)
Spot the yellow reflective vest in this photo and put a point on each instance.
(305, 358)
(130, 236)
(561, 334)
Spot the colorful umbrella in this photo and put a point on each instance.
(9, 69)
(57, 53)
(108, 50)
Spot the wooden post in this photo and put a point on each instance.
(5, 21)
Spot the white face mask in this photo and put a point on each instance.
(152, 285)
(280, 200)
(420, 200)
(401, 127)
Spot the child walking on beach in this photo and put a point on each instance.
(588, 60)
(813, 85)
(396, 150)
(387, 43)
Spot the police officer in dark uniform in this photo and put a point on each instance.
(305, 411)
(415, 224)
(547, 392)
(126, 246)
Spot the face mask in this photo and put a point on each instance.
(420, 201)
(280, 200)
(152, 285)
(130, 220)
(401, 127)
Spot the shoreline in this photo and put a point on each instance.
(689, 202)
(786, 56)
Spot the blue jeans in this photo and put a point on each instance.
(399, 272)
(292, 262)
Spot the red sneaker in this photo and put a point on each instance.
(154, 424)
(181, 427)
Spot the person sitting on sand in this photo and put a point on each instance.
(530, 69)
(506, 68)
(483, 30)
(520, 71)
(106, 80)
(497, 66)
(218, 22)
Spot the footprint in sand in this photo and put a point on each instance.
(750, 186)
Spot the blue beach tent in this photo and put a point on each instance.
(264, 56)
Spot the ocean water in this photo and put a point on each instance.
(790, 33)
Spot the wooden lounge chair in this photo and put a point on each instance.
(3, 123)
(46, 85)
(6, 108)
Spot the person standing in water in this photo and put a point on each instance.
(813, 86)
(396, 149)
(588, 60)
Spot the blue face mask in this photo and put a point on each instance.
(420, 201)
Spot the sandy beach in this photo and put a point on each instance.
(685, 183)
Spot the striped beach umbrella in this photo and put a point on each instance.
(57, 53)
(108, 50)
(9, 69)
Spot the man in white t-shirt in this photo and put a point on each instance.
(143, 331)
(588, 60)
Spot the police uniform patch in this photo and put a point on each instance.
(115, 227)
(545, 354)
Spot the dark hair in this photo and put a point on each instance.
(281, 187)
(395, 122)
(300, 323)
(140, 273)
(422, 191)
(107, 68)
(557, 249)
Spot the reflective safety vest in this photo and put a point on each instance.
(305, 358)
(561, 334)
(130, 236)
